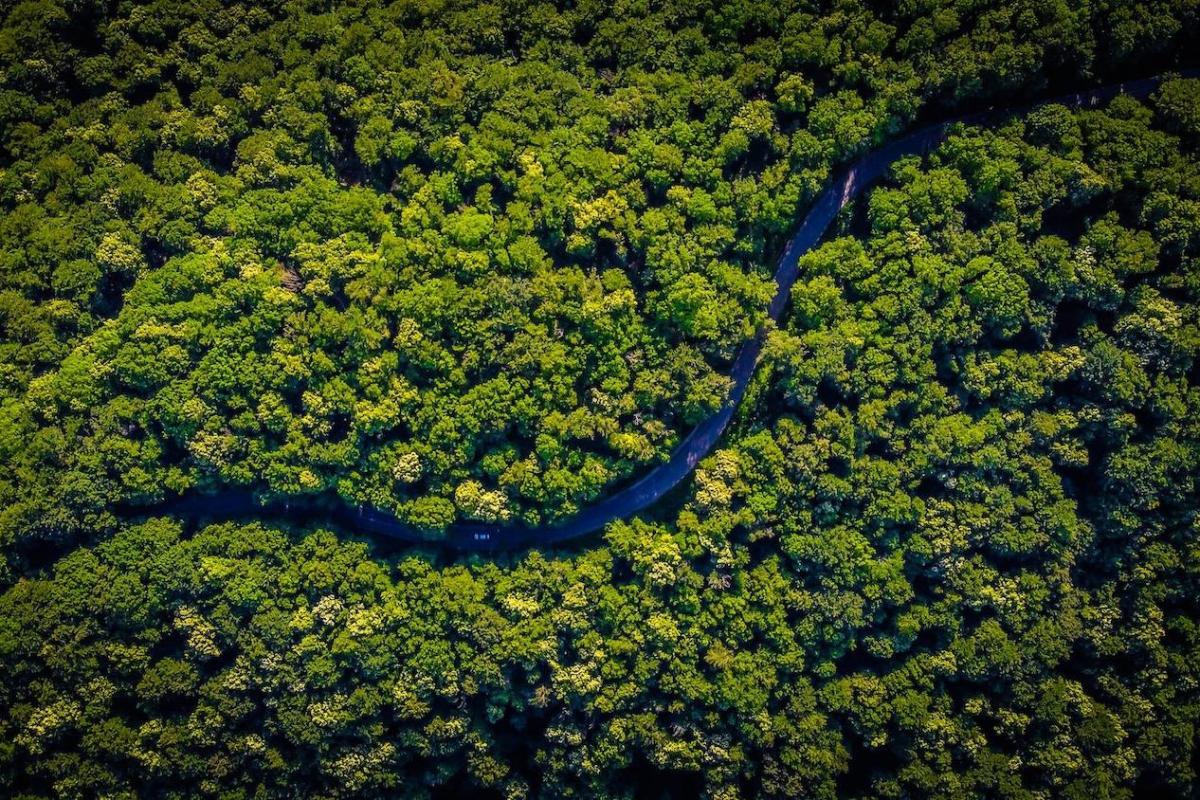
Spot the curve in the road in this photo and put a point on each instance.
(697, 444)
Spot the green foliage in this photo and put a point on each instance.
(482, 261)
(440, 230)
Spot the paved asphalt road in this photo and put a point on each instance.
(660, 480)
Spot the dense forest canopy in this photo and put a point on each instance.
(487, 261)
(457, 260)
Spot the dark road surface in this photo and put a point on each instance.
(660, 480)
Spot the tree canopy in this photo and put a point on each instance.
(486, 261)
(457, 260)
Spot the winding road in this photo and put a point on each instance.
(700, 441)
